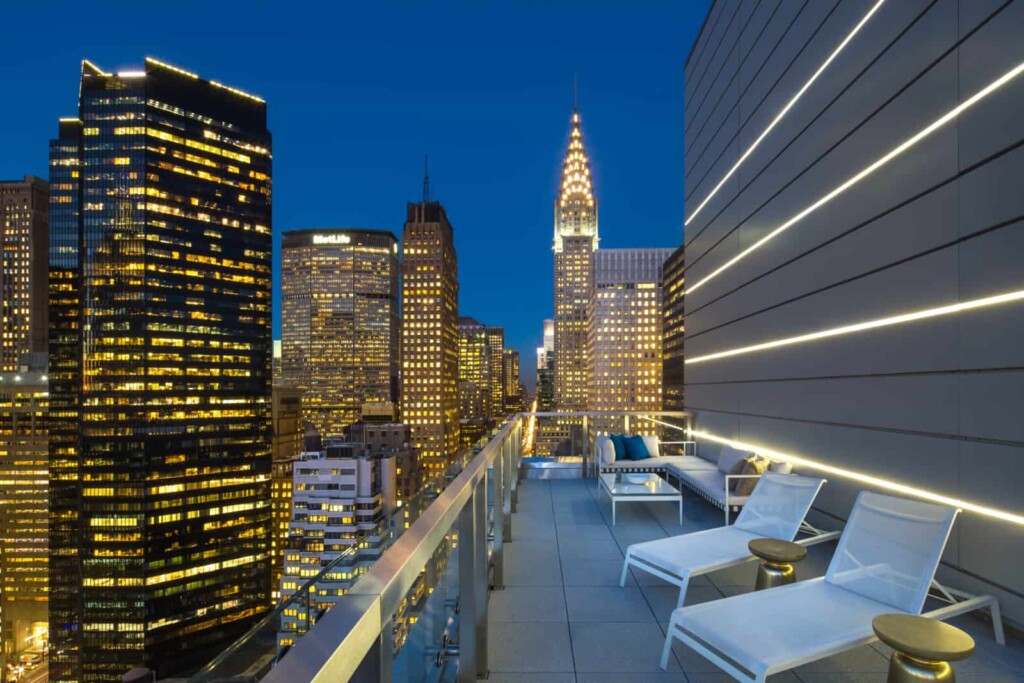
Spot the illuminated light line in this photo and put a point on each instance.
(868, 325)
(868, 170)
(878, 482)
(785, 109)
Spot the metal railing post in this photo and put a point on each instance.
(506, 489)
(517, 442)
(625, 425)
(467, 589)
(480, 581)
(497, 557)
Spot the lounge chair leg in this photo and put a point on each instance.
(625, 570)
(667, 649)
(682, 592)
(997, 623)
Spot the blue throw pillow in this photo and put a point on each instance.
(619, 445)
(636, 448)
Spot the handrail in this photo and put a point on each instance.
(346, 641)
(335, 649)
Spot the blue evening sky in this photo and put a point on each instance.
(357, 92)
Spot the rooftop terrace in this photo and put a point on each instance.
(489, 574)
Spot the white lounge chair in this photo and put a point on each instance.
(884, 563)
(776, 509)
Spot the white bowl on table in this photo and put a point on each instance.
(638, 478)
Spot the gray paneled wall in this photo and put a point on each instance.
(936, 403)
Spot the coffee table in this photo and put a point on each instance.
(654, 489)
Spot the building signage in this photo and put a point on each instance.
(332, 239)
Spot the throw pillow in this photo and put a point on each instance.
(619, 444)
(754, 465)
(636, 448)
(652, 446)
(605, 450)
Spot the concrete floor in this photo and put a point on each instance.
(562, 617)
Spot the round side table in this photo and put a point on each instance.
(777, 558)
(922, 647)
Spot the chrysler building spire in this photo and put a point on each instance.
(575, 208)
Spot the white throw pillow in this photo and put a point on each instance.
(780, 467)
(605, 450)
(729, 459)
(652, 446)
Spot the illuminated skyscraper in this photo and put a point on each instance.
(625, 330)
(430, 333)
(24, 239)
(287, 445)
(160, 373)
(339, 321)
(23, 510)
(475, 383)
(513, 390)
(575, 243)
(496, 341)
(672, 295)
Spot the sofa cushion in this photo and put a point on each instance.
(636, 448)
(730, 461)
(709, 482)
(686, 462)
(753, 465)
(653, 446)
(605, 450)
(619, 443)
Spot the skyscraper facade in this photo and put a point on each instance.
(496, 342)
(287, 443)
(475, 384)
(672, 331)
(625, 330)
(513, 390)
(575, 243)
(24, 240)
(339, 321)
(430, 334)
(23, 511)
(160, 260)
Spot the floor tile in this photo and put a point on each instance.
(506, 677)
(662, 599)
(598, 573)
(529, 648)
(646, 677)
(864, 659)
(572, 548)
(527, 604)
(611, 648)
(612, 604)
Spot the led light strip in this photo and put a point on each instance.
(882, 161)
(785, 109)
(878, 482)
(869, 325)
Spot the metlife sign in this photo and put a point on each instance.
(332, 239)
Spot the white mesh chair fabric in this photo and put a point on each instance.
(890, 549)
(775, 509)
(778, 505)
(884, 563)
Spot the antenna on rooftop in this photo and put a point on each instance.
(426, 180)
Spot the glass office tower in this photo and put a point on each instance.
(160, 370)
(24, 238)
(339, 321)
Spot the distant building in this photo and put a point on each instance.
(338, 505)
(513, 389)
(475, 381)
(160, 373)
(339, 321)
(625, 330)
(672, 333)
(25, 235)
(24, 537)
(430, 333)
(575, 242)
(496, 342)
(287, 444)
(391, 439)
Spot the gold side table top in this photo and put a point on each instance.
(777, 550)
(921, 638)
